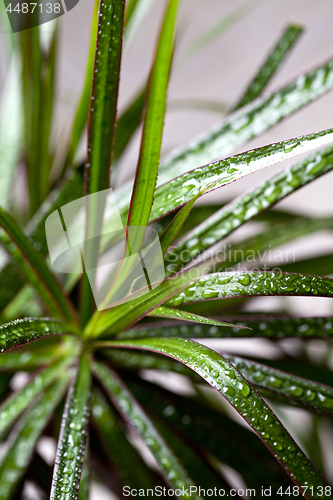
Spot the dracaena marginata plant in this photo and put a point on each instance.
(88, 387)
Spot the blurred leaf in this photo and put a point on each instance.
(50, 287)
(322, 265)
(25, 359)
(251, 284)
(135, 415)
(270, 66)
(136, 11)
(146, 174)
(23, 439)
(104, 95)
(246, 207)
(222, 376)
(22, 331)
(73, 434)
(130, 466)
(11, 130)
(18, 401)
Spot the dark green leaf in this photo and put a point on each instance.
(22, 331)
(322, 265)
(104, 96)
(305, 392)
(23, 439)
(130, 466)
(251, 284)
(26, 359)
(72, 439)
(270, 66)
(223, 377)
(135, 415)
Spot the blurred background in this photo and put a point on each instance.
(215, 59)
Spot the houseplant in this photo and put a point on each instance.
(97, 356)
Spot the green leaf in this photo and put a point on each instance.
(23, 439)
(82, 109)
(11, 130)
(26, 359)
(146, 174)
(251, 284)
(22, 331)
(248, 206)
(135, 415)
(128, 123)
(52, 290)
(316, 396)
(168, 312)
(207, 429)
(243, 125)
(220, 173)
(215, 31)
(259, 326)
(270, 66)
(223, 377)
(120, 316)
(72, 439)
(84, 489)
(18, 401)
(130, 466)
(322, 265)
(104, 94)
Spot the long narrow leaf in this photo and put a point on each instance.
(223, 377)
(276, 56)
(19, 401)
(250, 205)
(258, 326)
(136, 11)
(72, 439)
(52, 288)
(22, 331)
(305, 392)
(146, 174)
(26, 359)
(251, 284)
(168, 312)
(135, 415)
(215, 175)
(23, 439)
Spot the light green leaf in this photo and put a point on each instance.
(136, 11)
(72, 439)
(127, 405)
